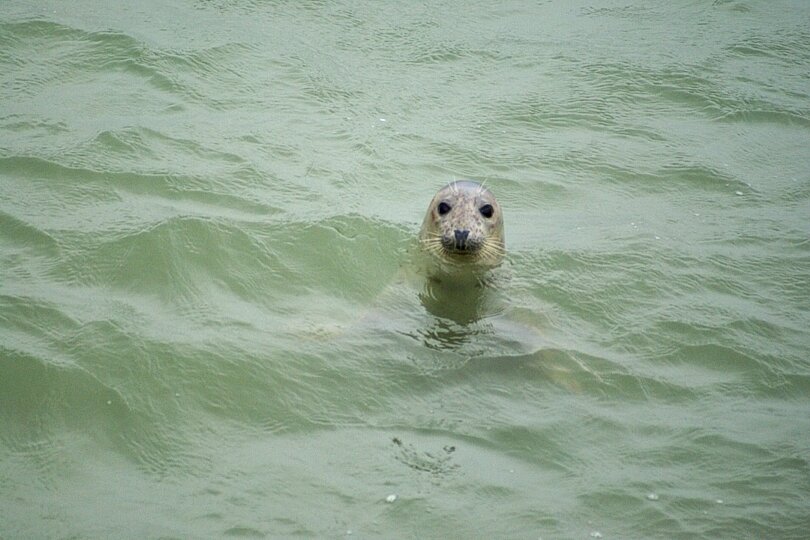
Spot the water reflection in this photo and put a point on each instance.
(459, 307)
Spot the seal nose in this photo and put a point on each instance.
(461, 238)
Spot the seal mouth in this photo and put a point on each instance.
(460, 245)
(461, 253)
(485, 253)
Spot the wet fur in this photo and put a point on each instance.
(484, 246)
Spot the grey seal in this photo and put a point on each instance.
(461, 243)
(463, 228)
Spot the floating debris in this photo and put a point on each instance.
(652, 496)
(595, 534)
(391, 498)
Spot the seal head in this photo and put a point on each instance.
(464, 227)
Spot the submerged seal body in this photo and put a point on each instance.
(463, 228)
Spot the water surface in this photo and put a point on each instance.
(204, 205)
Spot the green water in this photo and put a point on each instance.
(204, 205)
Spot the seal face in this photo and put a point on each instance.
(464, 226)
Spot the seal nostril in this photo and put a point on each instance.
(461, 238)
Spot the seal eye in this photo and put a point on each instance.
(443, 208)
(487, 211)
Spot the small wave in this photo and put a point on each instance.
(23, 235)
(42, 401)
